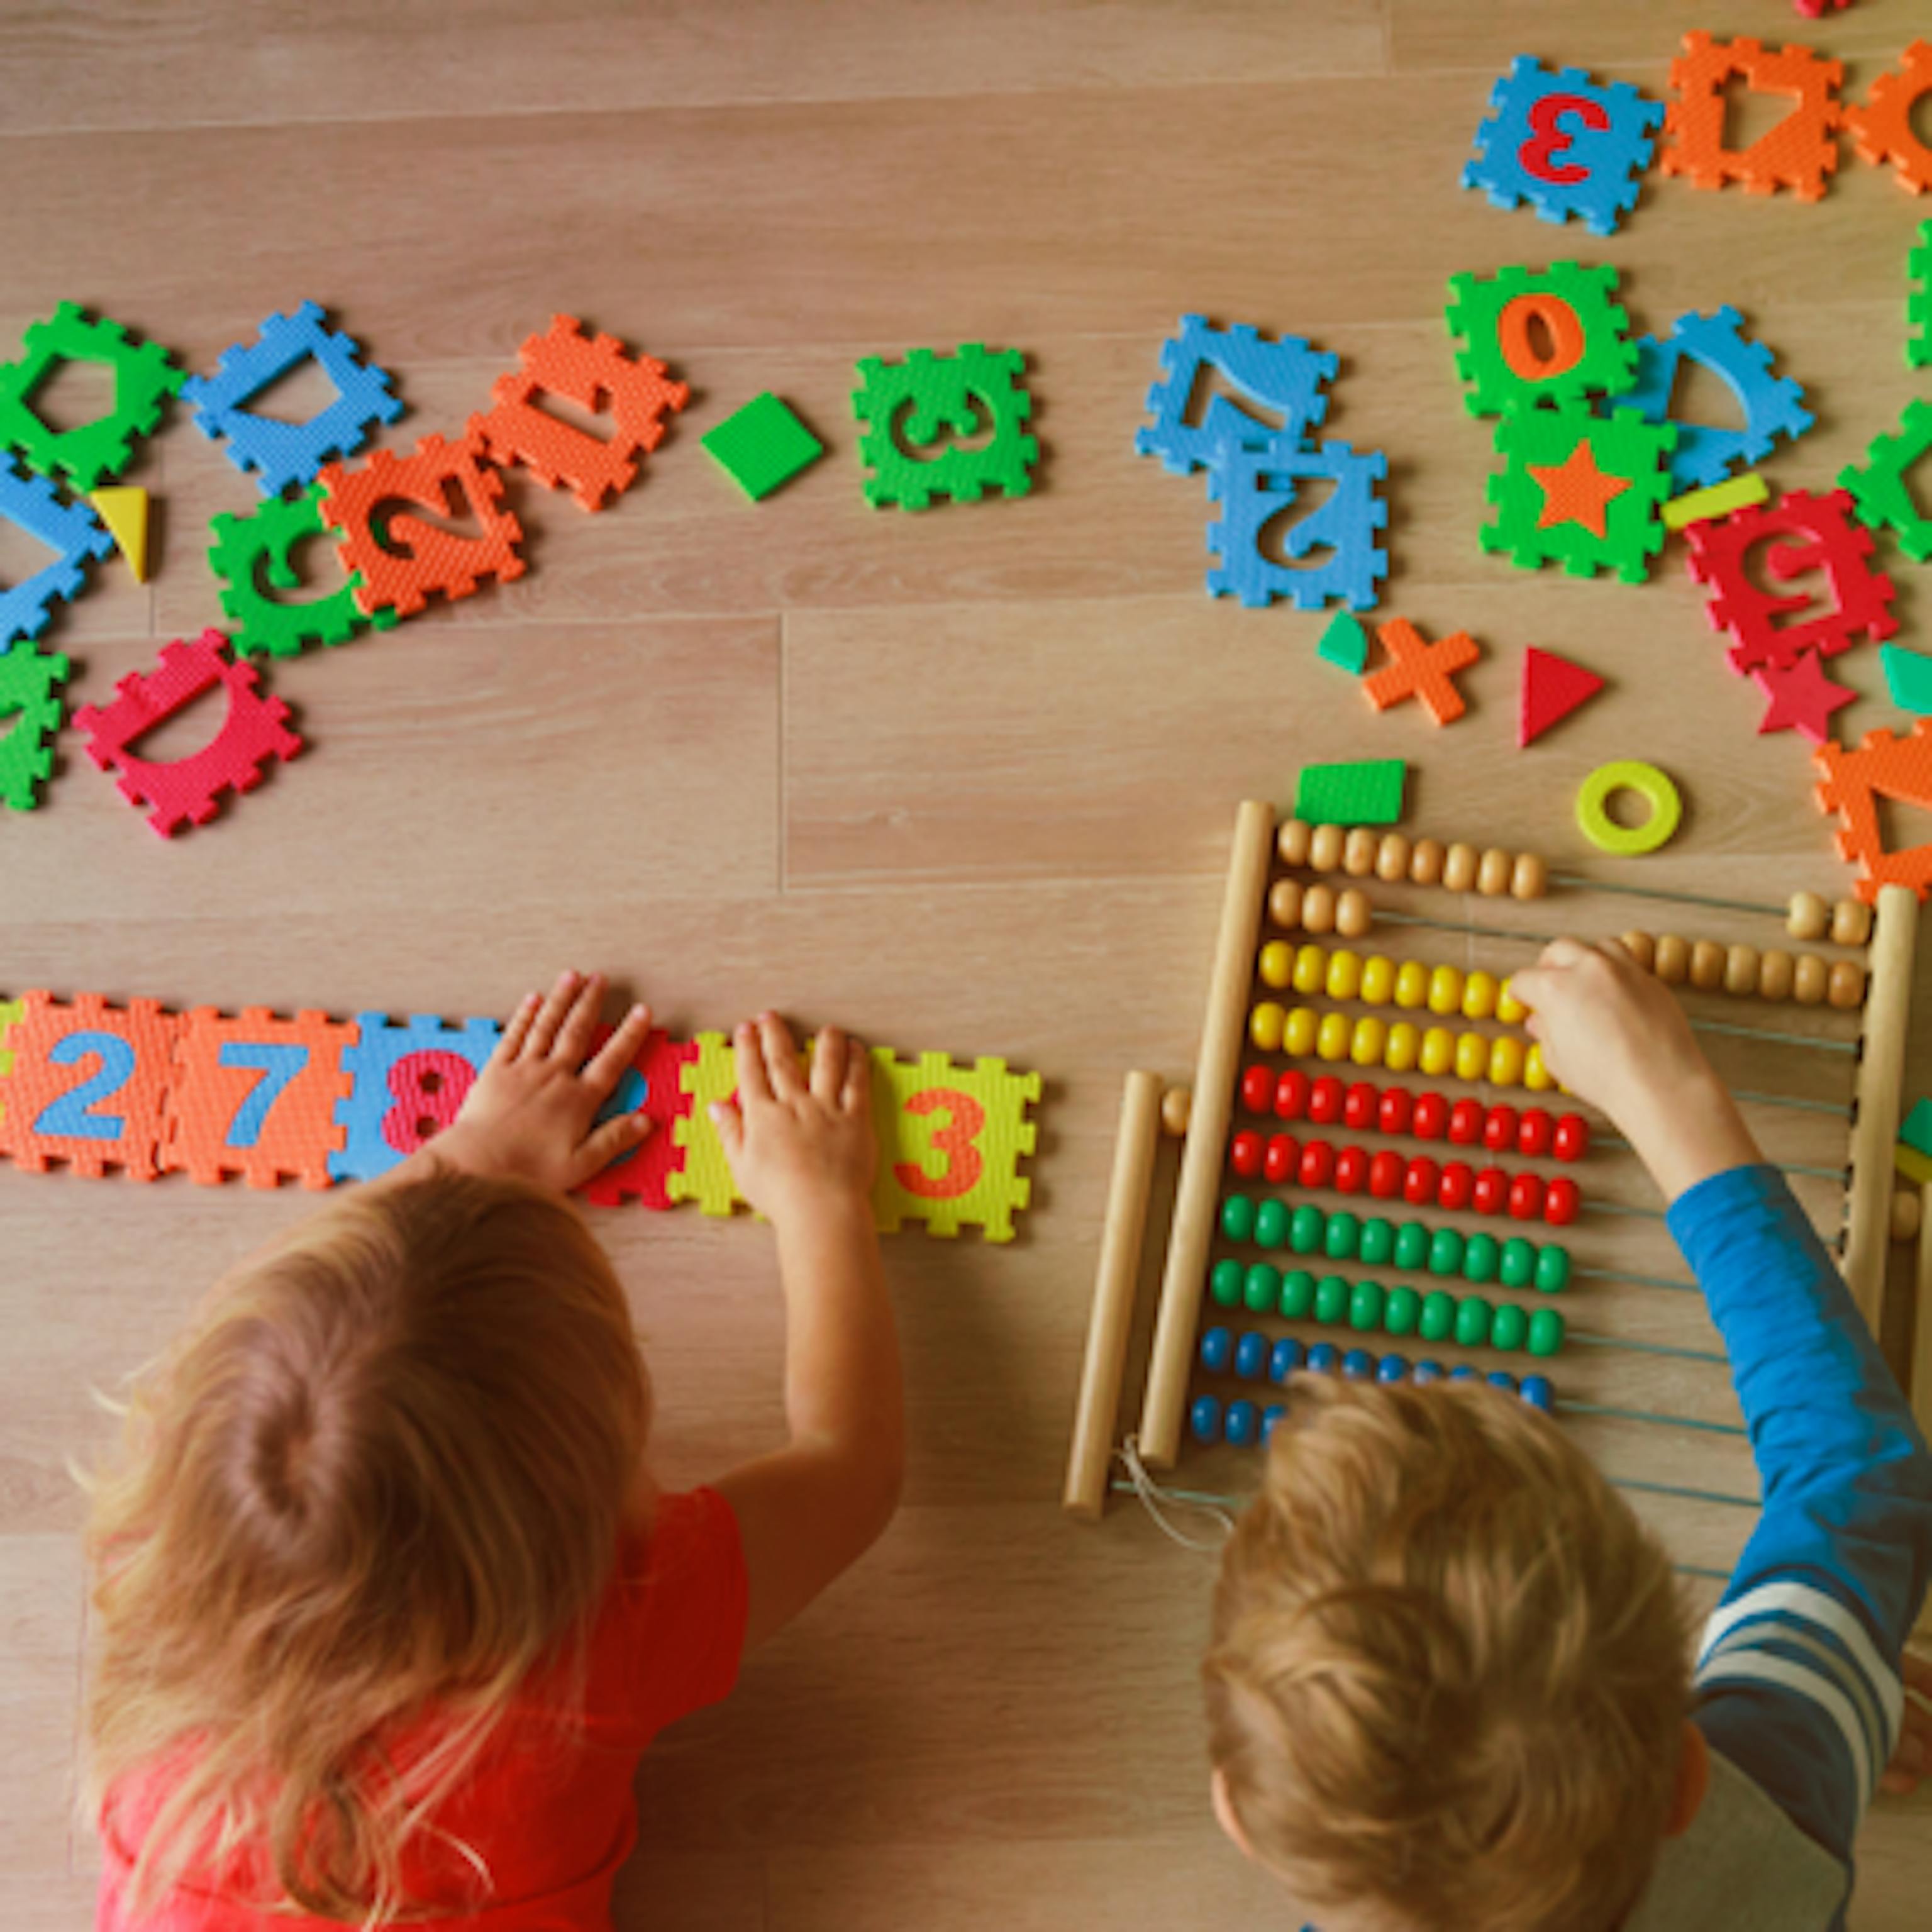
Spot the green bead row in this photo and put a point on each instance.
(1410, 1246)
(1367, 1307)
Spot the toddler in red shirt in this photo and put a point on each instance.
(386, 1606)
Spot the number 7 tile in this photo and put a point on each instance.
(88, 1085)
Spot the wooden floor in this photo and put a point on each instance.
(962, 780)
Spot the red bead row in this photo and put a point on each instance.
(1416, 1179)
(1364, 1107)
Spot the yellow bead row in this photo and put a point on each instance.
(1402, 1047)
(1379, 981)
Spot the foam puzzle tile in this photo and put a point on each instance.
(1881, 488)
(1910, 1165)
(1908, 678)
(1918, 301)
(1552, 687)
(76, 535)
(145, 376)
(905, 408)
(654, 1082)
(1503, 365)
(1802, 698)
(1915, 1131)
(762, 445)
(709, 1073)
(1773, 406)
(951, 1140)
(12, 1012)
(1802, 534)
(1798, 154)
(31, 682)
(1720, 500)
(255, 1095)
(1565, 144)
(1366, 791)
(1345, 643)
(408, 1081)
(403, 562)
(599, 375)
(254, 556)
(1286, 377)
(187, 791)
(1881, 128)
(1256, 487)
(125, 510)
(281, 454)
(1850, 784)
(86, 1086)
(1580, 489)
(1420, 670)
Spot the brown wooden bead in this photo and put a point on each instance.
(1707, 964)
(1177, 1109)
(1774, 976)
(1324, 848)
(1355, 916)
(1460, 864)
(1906, 1215)
(1851, 923)
(1809, 979)
(1392, 858)
(1642, 948)
(1809, 918)
(1741, 971)
(1318, 909)
(1358, 852)
(1529, 877)
(1846, 987)
(1291, 842)
(1672, 963)
(1285, 903)
(1492, 875)
(1425, 862)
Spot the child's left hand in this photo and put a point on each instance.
(530, 1114)
(1912, 1760)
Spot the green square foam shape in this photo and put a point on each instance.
(762, 445)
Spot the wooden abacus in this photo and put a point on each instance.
(1263, 885)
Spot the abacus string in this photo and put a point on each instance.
(1588, 885)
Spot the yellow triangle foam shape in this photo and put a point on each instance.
(124, 512)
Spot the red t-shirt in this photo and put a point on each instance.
(550, 1810)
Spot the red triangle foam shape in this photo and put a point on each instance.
(1552, 687)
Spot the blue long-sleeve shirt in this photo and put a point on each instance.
(1797, 1675)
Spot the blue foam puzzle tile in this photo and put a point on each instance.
(72, 530)
(383, 1113)
(1565, 144)
(1773, 406)
(1286, 376)
(1254, 486)
(279, 453)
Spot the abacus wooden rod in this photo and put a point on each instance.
(1922, 1346)
(1577, 881)
(1115, 1280)
(1223, 1033)
(1877, 1099)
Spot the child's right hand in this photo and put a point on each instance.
(1616, 1036)
(798, 1145)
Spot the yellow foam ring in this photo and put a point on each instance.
(1331, 1041)
(1370, 1042)
(1438, 1051)
(1277, 963)
(1405, 1042)
(1654, 787)
(1445, 991)
(1506, 1059)
(1344, 974)
(1536, 1076)
(1509, 1009)
(1479, 996)
(1311, 967)
(1411, 984)
(1378, 979)
(1298, 1035)
(1472, 1056)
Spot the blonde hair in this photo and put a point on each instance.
(1449, 1670)
(386, 1473)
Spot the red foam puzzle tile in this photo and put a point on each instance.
(644, 1173)
(1802, 698)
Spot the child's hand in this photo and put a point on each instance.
(1615, 1036)
(1912, 1760)
(530, 1113)
(794, 1144)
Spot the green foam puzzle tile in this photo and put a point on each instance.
(918, 414)
(762, 445)
(1345, 643)
(1367, 792)
(1882, 485)
(1585, 350)
(1916, 1131)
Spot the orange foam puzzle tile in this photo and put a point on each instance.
(1881, 127)
(254, 1094)
(595, 373)
(87, 1085)
(1420, 670)
(1798, 154)
(1851, 784)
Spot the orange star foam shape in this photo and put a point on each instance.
(1576, 491)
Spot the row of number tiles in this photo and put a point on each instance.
(95, 1086)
